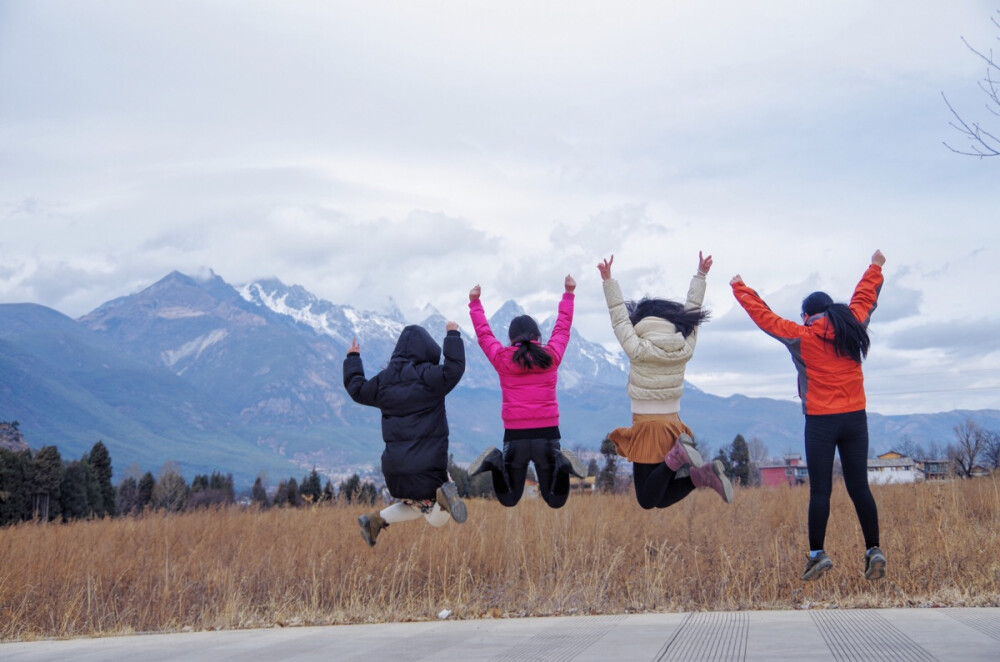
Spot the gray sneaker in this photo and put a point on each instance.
(874, 564)
(817, 567)
(447, 498)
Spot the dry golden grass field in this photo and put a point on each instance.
(236, 568)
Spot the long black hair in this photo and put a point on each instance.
(850, 337)
(684, 320)
(524, 334)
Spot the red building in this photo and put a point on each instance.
(792, 472)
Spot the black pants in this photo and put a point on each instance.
(847, 433)
(657, 485)
(553, 480)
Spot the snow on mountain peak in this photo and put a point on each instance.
(339, 322)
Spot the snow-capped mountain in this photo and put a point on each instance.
(584, 362)
(340, 322)
(245, 379)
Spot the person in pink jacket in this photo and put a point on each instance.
(528, 372)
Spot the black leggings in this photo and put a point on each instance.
(656, 485)
(552, 484)
(848, 433)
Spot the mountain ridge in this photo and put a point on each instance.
(250, 376)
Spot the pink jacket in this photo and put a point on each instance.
(529, 396)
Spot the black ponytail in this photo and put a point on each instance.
(850, 337)
(684, 319)
(531, 355)
(524, 334)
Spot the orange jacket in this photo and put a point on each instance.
(828, 384)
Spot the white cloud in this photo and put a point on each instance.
(408, 150)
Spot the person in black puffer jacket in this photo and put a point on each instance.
(410, 393)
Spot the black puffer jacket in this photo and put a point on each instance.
(410, 393)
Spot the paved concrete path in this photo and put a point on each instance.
(846, 634)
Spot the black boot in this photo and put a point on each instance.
(489, 459)
(568, 462)
(492, 460)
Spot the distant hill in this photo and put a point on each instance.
(247, 379)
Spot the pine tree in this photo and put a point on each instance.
(100, 462)
(312, 489)
(95, 499)
(48, 477)
(200, 495)
(228, 491)
(145, 493)
(15, 486)
(294, 498)
(349, 488)
(606, 478)
(73, 492)
(258, 494)
(739, 461)
(368, 495)
(281, 495)
(127, 502)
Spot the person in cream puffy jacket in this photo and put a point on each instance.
(659, 337)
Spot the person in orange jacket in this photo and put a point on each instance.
(827, 349)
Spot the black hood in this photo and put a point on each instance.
(416, 345)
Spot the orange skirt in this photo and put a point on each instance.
(650, 438)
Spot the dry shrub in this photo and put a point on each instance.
(235, 568)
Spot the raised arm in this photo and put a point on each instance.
(865, 297)
(446, 376)
(363, 391)
(484, 334)
(696, 292)
(769, 322)
(564, 321)
(620, 322)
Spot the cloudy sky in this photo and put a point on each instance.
(368, 150)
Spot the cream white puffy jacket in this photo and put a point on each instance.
(658, 353)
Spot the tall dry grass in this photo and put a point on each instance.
(237, 568)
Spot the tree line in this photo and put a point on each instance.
(42, 486)
(973, 447)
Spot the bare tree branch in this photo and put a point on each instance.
(981, 142)
(970, 442)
